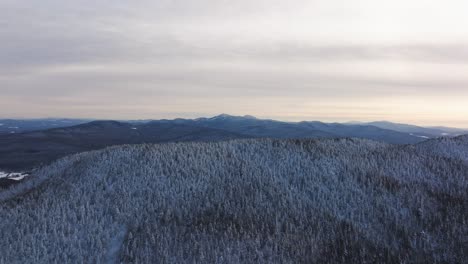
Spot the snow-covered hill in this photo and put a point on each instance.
(243, 201)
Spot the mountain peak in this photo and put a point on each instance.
(222, 116)
(249, 117)
(227, 116)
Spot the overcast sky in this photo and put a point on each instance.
(329, 60)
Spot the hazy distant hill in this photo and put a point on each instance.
(251, 126)
(428, 132)
(10, 126)
(27, 150)
(21, 151)
(244, 201)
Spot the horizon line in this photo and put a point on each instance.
(350, 122)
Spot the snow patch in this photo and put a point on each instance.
(420, 136)
(16, 176)
(134, 128)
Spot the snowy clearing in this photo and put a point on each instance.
(17, 176)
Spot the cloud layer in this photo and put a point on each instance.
(330, 60)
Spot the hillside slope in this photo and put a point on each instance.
(11, 126)
(27, 150)
(262, 201)
(430, 132)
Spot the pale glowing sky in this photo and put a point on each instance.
(329, 60)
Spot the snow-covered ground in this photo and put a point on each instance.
(419, 136)
(17, 176)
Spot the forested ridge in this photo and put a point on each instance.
(29, 150)
(244, 201)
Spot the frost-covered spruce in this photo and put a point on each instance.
(251, 201)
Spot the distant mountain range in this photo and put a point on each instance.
(36, 142)
(423, 132)
(21, 151)
(11, 126)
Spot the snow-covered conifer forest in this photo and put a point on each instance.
(244, 201)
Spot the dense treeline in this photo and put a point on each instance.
(248, 201)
